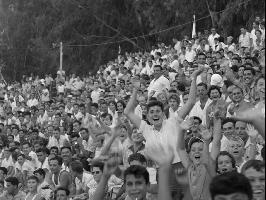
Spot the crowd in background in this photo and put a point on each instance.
(183, 121)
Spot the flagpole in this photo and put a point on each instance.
(194, 26)
(61, 57)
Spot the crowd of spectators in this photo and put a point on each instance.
(183, 121)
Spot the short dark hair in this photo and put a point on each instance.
(138, 157)
(76, 166)
(250, 69)
(66, 147)
(228, 120)
(63, 189)
(203, 84)
(4, 170)
(12, 180)
(40, 171)
(192, 141)
(98, 164)
(225, 153)
(58, 158)
(197, 118)
(155, 103)
(258, 165)
(230, 183)
(137, 171)
(33, 178)
(104, 115)
(214, 87)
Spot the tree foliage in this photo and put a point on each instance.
(32, 29)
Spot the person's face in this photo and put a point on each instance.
(2, 175)
(257, 181)
(21, 160)
(32, 185)
(236, 149)
(201, 59)
(195, 125)
(54, 166)
(94, 110)
(84, 134)
(240, 129)
(224, 164)
(155, 115)
(26, 149)
(66, 154)
(136, 136)
(10, 139)
(10, 188)
(174, 85)
(195, 153)
(107, 121)
(237, 95)
(228, 129)
(76, 127)
(185, 98)
(162, 98)
(243, 31)
(112, 107)
(157, 72)
(214, 95)
(136, 187)
(61, 195)
(103, 107)
(41, 156)
(248, 77)
(39, 176)
(56, 134)
(202, 91)
(120, 107)
(173, 104)
(261, 87)
(234, 196)
(97, 174)
(54, 152)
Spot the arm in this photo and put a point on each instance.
(181, 149)
(254, 117)
(217, 136)
(164, 176)
(106, 148)
(184, 111)
(130, 109)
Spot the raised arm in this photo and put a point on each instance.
(109, 168)
(184, 111)
(254, 117)
(163, 156)
(130, 108)
(181, 148)
(217, 136)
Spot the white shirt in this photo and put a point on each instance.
(83, 184)
(201, 113)
(211, 39)
(95, 95)
(168, 134)
(190, 55)
(158, 85)
(244, 40)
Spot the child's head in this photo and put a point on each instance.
(32, 183)
(137, 159)
(136, 136)
(107, 119)
(231, 185)
(236, 147)
(136, 180)
(254, 170)
(195, 150)
(225, 162)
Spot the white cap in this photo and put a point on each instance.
(217, 80)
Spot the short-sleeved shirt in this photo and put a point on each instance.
(167, 135)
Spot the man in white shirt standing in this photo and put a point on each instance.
(95, 94)
(159, 83)
(245, 39)
(211, 38)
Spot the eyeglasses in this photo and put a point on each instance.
(96, 172)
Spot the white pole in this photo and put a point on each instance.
(61, 57)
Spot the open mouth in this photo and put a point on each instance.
(197, 157)
(258, 192)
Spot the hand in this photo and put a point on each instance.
(186, 124)
(251, 131)
(205, 133)
(135, 83)
(249, 115)
(161, 154)
(197, 72)
(111, 166)
(219, 112)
